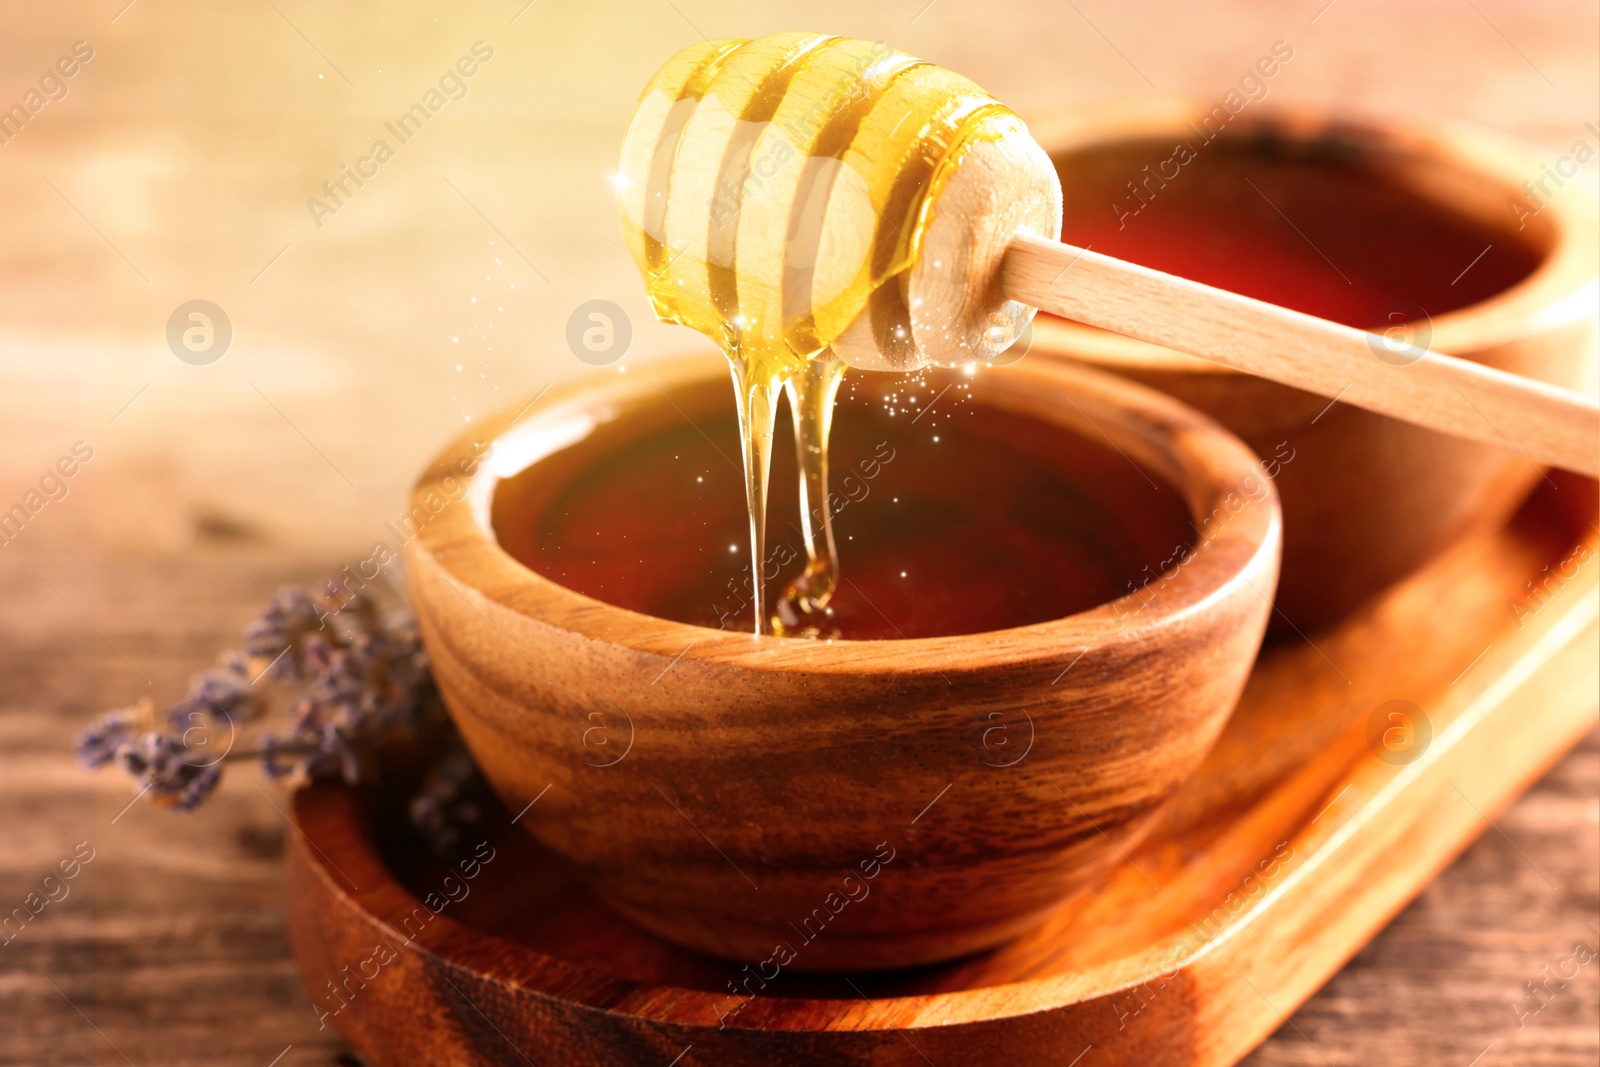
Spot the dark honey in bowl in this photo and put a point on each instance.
(1320, 227)
(953, 518)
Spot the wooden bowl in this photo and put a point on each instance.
(1301, 835)
(1383, 210)
(825, 805)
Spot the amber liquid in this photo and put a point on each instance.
(968, 520)
(1307, 227)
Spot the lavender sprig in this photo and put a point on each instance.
(346, 676)
(452, 799)
(167, 770)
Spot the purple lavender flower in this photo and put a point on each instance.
(161, 764)
(224, 691)
(274, 635)
(349, 614)
(282, 761)
(354, 677)
(99, 744)
(200, 786)
(453, 798)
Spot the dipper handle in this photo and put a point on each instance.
(1547, 424)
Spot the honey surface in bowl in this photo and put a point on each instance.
(1319, 229)
(970, 519)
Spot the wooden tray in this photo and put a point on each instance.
(1317, 817)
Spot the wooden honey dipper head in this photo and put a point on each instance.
(801, 196)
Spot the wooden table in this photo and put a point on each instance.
(178, 167)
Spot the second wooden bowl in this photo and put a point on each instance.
(1431, 234)
(806, 805)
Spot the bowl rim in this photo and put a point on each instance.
(1560, 289)
(1198, 457)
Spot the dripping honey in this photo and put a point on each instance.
(772, 193)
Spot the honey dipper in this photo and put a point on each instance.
(801, 197)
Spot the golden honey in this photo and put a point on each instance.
(773, 193)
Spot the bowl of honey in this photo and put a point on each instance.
(1441, 238)
(1052, 584)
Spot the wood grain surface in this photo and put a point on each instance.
(178, 167)
(174, 941)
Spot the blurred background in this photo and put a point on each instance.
(180, 162)
(176, 164)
